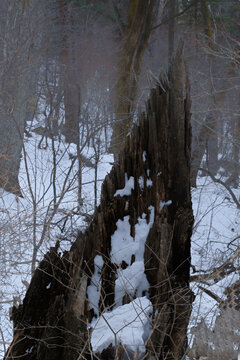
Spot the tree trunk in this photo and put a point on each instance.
(137, 32)
(145, 205)
(206, 16)
(171, 28)
(17, 90)
(70, 77)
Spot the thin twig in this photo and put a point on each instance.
(218, 181)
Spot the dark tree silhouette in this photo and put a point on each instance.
(52, 321)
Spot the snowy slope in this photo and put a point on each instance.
(216, 235)
(51, 203)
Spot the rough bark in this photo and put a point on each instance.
(137, 32)
(52, 321)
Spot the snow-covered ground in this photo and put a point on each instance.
(216, 226)
(49, 210)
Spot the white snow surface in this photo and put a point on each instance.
(129, 324)
(131, 280)
(216, 225)
(144, 156)
(149, 182)
(93, 290)
(124, 245)
(122, 242)
(165, 203)
(129, 186)
(141, 182)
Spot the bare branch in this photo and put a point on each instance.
(211, 294)
(175, 16)
(218, 181)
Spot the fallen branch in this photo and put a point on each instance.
(211, 294)
(218, 273)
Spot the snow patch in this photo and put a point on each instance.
(142, 229)
(29, 351)
(122, 242)
(124, 245)
(132, 281)
(141, 182)
(144, 156)
(129, 186)
(129, 324)
(165, 203)
(93, 290)
(149, 182)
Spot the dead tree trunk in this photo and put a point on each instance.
(135, 253)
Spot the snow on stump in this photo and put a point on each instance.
(122, 291)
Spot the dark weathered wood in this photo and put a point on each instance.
(52, 321)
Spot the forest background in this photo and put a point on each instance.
(74, 75)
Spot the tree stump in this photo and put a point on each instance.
(135, 253)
